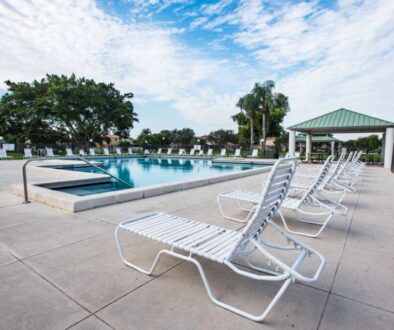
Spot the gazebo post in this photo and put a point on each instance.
(308, 147)
(292, 143)
(388, 147)
(332, 148)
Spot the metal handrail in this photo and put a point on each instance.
(64, 158)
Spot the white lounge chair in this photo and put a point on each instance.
(27, 153)
(237, 152)
(146, 152)
(192, 152)
(106, 152)
(159, 151)
(69, 152)
(129, 151)
(50, 152)
(181, 152)
(169, 151)
(233, 249)
(92, 152)
(209, 153)
(295, 202)
(3, 155)
(201, 152)
(223, 152)
(82, 153)
(255, 153)
(118, 151)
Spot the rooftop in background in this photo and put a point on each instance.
(318, 138)
(342, 121)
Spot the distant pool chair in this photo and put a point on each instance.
(69, 152)
(223, 152)
(106, 152)
(237, 152)
(50, 152)
(146, 152)
(255, 153)
(181, 152)
(3, 155)
(130, 151)
(82, 153)
(210, 152)
(233, 249)
(92, 152)
(118, 151)
(201, 152)
(296, 201)
(27, 153)
(159, 152)
(192, 152)
(169, 151)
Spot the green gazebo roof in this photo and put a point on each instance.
(342, 121)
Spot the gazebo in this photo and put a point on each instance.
(344, 121)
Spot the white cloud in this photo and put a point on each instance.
(323, 58)
(59, 37)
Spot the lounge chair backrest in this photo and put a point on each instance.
(223, 152)
(345, 164)
(92, 152)
(255, 152)
(49, 152)
(181, 151)
(237, 152)
(3, 153)
(81, 152)
(69, 152)
(319, 179)
(191, 152)
(159, 151)
(169, 151)
(118, 151)
(146, 152)
(275, 191)
(130, 150)
(28, 153)
(209, 152)
(106, 151)
(201, 152)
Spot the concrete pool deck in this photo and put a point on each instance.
(61, 270)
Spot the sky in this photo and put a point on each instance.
(188, 61)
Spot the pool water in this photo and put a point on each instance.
(139, 172)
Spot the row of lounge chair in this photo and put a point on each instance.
(243, 251)
(118, 152)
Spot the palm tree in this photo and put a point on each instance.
(247, 106)
(264, 97)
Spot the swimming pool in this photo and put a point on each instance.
(141, 171)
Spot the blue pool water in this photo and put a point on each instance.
(140, 172)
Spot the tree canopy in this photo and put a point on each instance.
(183, 136)
(261, 113)
(64, 109)
(367, 143)
(222, 136)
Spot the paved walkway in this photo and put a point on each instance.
(61, 270)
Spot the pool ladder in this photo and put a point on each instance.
(26, 194)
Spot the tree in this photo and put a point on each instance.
(262, 111)
(65, 109)
(221, 137)
(184, 136)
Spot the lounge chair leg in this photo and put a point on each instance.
(246, 219)
(323, 225)
(233, 309)
(128, 263)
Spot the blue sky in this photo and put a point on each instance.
(188, 61)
